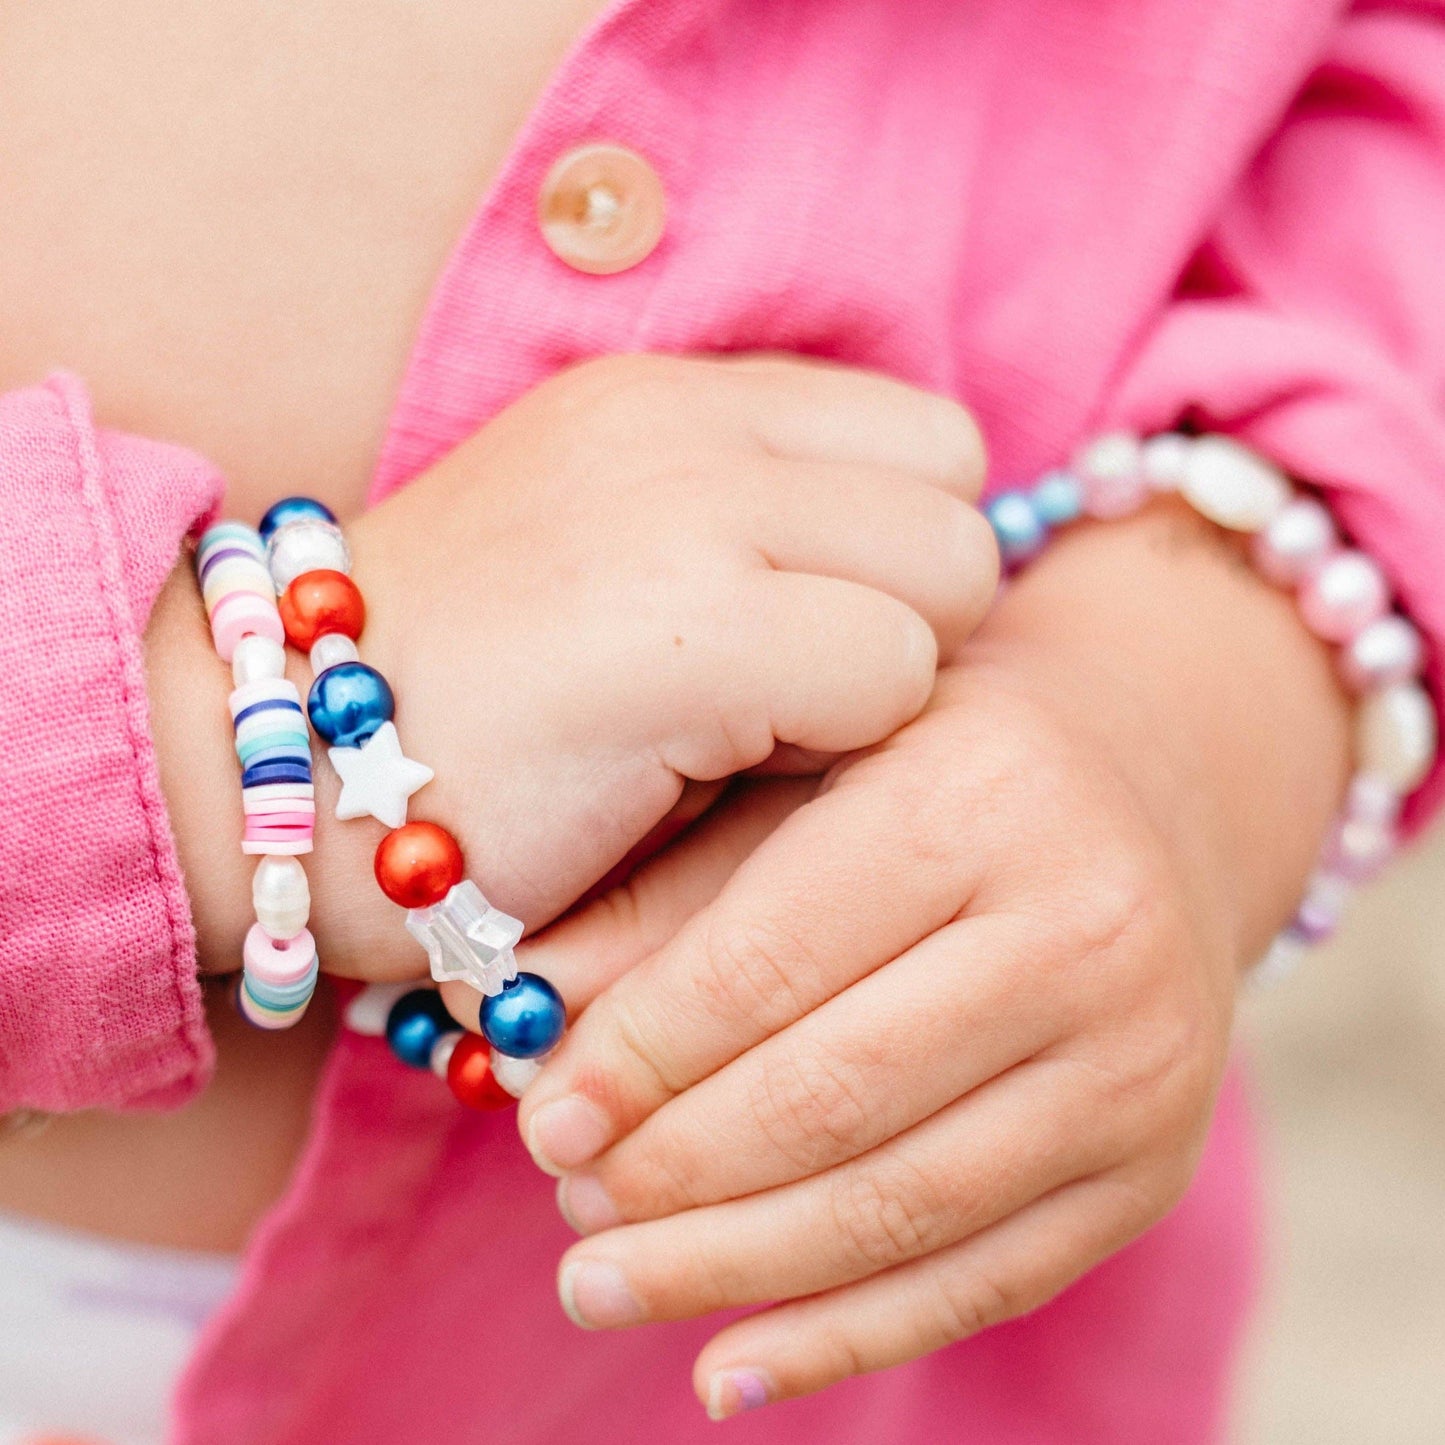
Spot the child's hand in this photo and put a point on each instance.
(647, 571)
(951, 1034)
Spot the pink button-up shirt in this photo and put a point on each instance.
(1066, 214)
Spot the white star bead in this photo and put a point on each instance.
(376, 779)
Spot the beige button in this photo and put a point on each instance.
(602, 209)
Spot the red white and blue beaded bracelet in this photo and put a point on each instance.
(278, 800)
(1343, 597)
(418, 865)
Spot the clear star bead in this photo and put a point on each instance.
(467, 939)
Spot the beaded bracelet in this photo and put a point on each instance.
(418, 865)
(1342, 595)
(279, 965)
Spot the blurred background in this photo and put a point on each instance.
(1348, 1062)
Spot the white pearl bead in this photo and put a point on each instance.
(368, 1011)
(332, 649)
(306, 546)
(1295, 542)
(282, 897)
(1109, 468)
(1232, 487)
(1343, 596)
(257, 657)
(1396, 735)
(514, 1075)
(1284, 957)
(442, 1051)
(1372, 800)
(1164, 460)
(1388, 650)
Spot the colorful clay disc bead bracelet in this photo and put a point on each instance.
(418, 865)
(1343, 597)
(279, 965)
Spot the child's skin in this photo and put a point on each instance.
(1110, 804)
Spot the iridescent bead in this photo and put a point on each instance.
(1058, 499)
(1396, 735)
(1388, 650)
(1109, 469)
(418, 864)
(1233, 487)
(1343, 596)
(467, 939)
(470, 1076)
(1016, 525)
(281, 896)
(306, 546)
(331, 650)
(1295, 542)
(293, 509)
(318, 603)
(526, 1019)
(416, 1021)
(1163, 459)
(348, 703)
(257, 658)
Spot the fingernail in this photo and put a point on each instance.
(595, 1296)
(730, 1392)
(566, 1133)
(585, 1204)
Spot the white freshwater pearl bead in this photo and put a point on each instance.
(332, 649)
(1388, 650)
(1110, 469)
(282, 897)
(257, 657)
(306, 546)
(1343, 596)
(368, 1012)
(1295, 542)
(515, 1075)
(1232, 487)
(1396, 735)
(1372, 800)
(1164, 460)
(442, 1051)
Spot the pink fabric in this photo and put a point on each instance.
(99, 1003)
(1068, 215)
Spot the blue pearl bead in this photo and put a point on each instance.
(293, 509)
(1059, 499)
(348, 702)
(1018, 527)
(525, 1019)
(416, 1021)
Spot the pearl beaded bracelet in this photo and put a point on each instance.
(279, 965)
(418, 865)
(1343, 598)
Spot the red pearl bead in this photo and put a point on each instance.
(470, 1077)
(417, 864)
(320, 602)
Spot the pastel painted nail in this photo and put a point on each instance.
(730, 1392)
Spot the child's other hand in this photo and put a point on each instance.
(648, 571)
(953, 1032)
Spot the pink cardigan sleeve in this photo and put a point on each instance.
(1312, 323)
(99, 1000)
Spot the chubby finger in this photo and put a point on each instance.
(1002, 1272)
(839, 889)
(868, 1064)
(816, 411)
(972, 1164)
(885, 529)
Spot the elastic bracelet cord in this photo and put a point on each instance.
(279, 965)
(1343, 597)
(418, 865)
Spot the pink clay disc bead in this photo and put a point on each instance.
(244, 614)
(1295, 542)
(1388, 650)
(278, 961)
(1112, 472)
(1343, 596)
